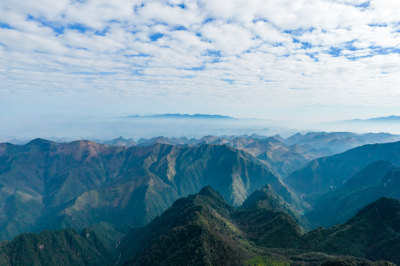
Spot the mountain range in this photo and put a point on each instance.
(281, 155)
(327, 173)
(183, 116)
(203, 229)
(338, 186)
(85, 203)
(386, 119)
(375, 124)
(48, 185)
(378, 179)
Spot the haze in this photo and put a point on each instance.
(65, 64)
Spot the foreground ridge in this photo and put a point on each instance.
(203, 229)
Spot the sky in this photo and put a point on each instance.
(297, 60)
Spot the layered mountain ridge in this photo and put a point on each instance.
(283, 156)
(252, 215)
(336, 187)
(327, 173)
(48, 185)
(378, 179)
(203, 229)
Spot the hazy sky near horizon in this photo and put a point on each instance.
(279, 59)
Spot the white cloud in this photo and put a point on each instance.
(264, 52)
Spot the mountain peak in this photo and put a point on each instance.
(210, 192)
(266, 198)
(39, 142)
(263, 198)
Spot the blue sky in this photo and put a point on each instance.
(299, 60)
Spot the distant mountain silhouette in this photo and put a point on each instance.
(392, 118)
(283, 156)
(329, 143)
(186, 116)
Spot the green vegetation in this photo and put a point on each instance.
(62, 247)
(327, 173)
(194, 231)
(203, 229)
(373, 233)
(267, 198)
(108, 195)
(379, 179)
(265, 261)
(48, 185)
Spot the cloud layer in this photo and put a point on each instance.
(235, 57)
